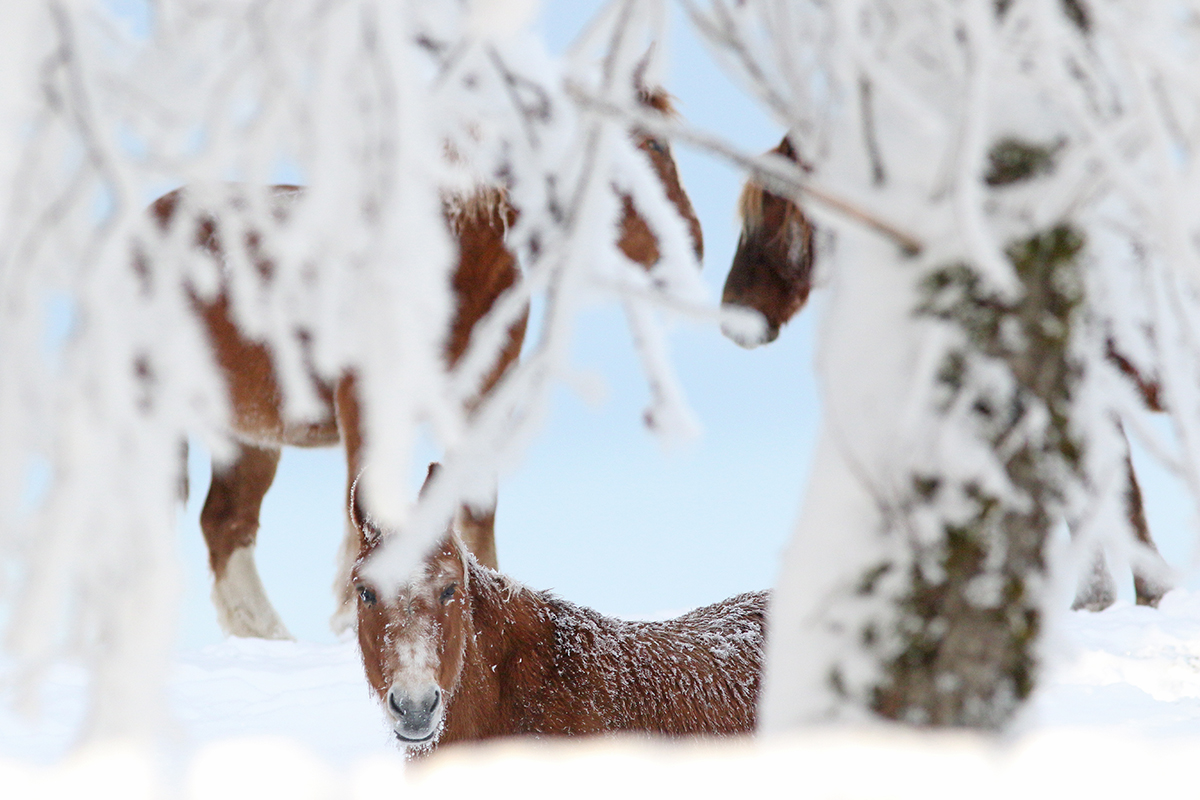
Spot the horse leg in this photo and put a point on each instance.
(1098, 590)
(182, 487)
(1148, 585)
(477, 529)
(346, 407)
(230, 524)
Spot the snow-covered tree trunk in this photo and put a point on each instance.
(936, 487)
(969, 391)
(943, 466)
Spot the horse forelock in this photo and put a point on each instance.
(751, 200)
(750, 206)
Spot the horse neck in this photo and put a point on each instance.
(510, 631)
(527, 665)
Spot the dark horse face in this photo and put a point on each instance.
(772, 268)
(413, 640)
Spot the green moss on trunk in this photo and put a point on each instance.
(971, 616)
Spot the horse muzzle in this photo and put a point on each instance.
(746, 326)
(416, 715)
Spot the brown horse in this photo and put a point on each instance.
(462, 653)
(257, 427)
(772, 274)
(773, 265)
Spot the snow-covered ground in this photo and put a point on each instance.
(1119, 712)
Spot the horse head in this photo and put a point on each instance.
(637, 241)
(772, 268)
(413, 638)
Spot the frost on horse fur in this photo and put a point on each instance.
(461, 653)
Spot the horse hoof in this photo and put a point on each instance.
(242, 623)
(242, 605)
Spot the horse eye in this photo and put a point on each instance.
(656, 146)
(448, 592)
(367, 595)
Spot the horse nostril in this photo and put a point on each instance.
(394, 705)
(434, 701)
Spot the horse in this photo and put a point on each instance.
(772, 270)
(460, 652)
(257, 427)
(772, 273)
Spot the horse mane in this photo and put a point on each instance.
(506, 587)
(750, 209)
(750, 206)
(658, 99)
(483, 204)
(750, 201)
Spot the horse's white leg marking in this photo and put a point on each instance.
(345, 616)
(242, 605)
(1097, 590)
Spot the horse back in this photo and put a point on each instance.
(698, 674)
(485, 268)
(246, 364)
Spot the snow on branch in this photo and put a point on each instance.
(380, 126)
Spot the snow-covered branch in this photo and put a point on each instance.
(395, 117)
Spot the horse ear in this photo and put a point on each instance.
(359, 517)
(647, 91)
(792, 153)
(639, 72)
(786, 149)
(434, 469)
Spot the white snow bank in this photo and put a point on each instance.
(1119, 717)
(313, 694)
(886, 763)
(892, 764)
(1130, 670)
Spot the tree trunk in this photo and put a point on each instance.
(914, 587)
